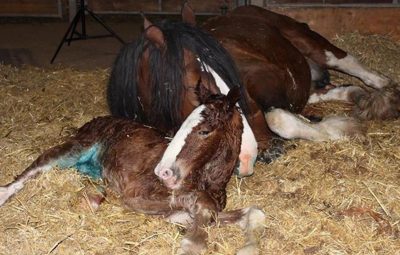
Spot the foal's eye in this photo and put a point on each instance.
(204, 132)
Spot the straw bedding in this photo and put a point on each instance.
(320, 198)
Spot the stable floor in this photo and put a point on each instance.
(35, 42)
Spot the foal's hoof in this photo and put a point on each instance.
(250, 249)
(190, 247)
(4, 195)
(273, 152)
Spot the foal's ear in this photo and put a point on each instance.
(153, 33)
(188, 15)
(203, 93)
(234, 95)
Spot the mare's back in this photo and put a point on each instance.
(253, 35)
(275, 72)
(299, 34)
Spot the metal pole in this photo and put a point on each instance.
(71, 10)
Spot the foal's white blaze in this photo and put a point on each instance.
(337, 94)
(248, 148)
(177, 143)
(350, 65)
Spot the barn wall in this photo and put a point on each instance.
(328, 21)
(332, 21)
(43, 8)
(152, 6)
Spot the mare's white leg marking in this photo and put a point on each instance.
(289, 126)
(338, 93)
(350, 65)
(177, 143)
(249, 146)
(14, 187)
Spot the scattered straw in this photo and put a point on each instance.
(315, 196)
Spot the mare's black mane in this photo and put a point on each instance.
(166, 74)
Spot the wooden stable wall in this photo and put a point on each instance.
(153, 6)
(43, 8)
(330, 21)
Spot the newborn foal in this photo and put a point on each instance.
(184, 181)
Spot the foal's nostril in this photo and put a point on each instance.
(166, 173)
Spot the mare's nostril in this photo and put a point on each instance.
(166, 173)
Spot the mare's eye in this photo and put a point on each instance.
(204, 132)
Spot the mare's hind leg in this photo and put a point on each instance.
(377, 104)
(57, 155)
(322, 52)
(352, 66)
(340, 93)
(289, 126)
(320, 77)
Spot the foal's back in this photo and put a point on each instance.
(130, 152)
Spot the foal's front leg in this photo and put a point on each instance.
(252, 221)
(203, 210)
(198, 205)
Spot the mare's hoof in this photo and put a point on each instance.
(276, 149)
(379, 104)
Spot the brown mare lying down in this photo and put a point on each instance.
(274, 58)
(183, 179)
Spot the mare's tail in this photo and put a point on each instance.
(67, 155)
(122, 91)
(380, 104)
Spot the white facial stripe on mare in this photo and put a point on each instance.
(177, 143)
(249, 143)
(350, 65)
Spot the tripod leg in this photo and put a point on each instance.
(100, 21)
(73, 24)
(78, 16)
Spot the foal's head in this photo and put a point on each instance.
(203, 153)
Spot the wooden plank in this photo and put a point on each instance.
(200, 6)
(170, 6)
(29, 8)
(330, 1)
(123, 5)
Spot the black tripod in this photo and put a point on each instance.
(71, 31)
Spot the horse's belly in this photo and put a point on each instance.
(129, 162)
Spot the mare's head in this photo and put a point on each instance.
(165, 63)
(203, 153)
